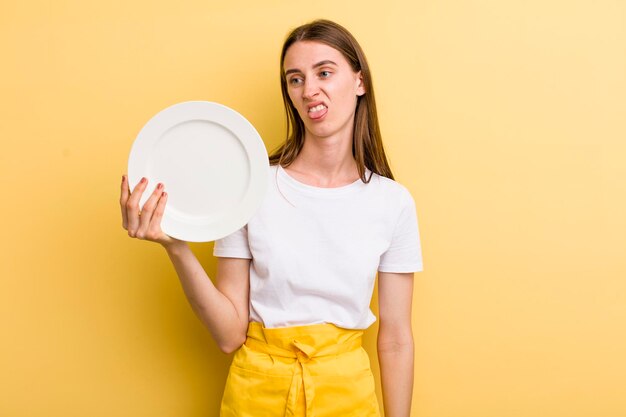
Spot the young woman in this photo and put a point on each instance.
(294, 285)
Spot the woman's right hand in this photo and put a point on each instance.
(144, 224)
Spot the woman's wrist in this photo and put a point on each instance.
(174, 246)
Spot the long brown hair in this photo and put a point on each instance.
(367, 145)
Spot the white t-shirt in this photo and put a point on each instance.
(315, 251)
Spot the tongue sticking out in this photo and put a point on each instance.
(317, 111)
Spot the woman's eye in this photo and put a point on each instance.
(295, 80)
(325, 74)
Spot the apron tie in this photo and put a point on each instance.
(302, 353)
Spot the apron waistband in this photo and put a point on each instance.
(302, 353)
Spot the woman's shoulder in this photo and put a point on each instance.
(390, 188)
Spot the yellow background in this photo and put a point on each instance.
(505, 119)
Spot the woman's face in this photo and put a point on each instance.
(322, 87)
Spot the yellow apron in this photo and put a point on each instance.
(319, 370)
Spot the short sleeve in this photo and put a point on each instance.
(234, 245)
(404, 253)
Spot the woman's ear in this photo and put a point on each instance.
(360, 87)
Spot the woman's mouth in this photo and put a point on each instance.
(318, 111)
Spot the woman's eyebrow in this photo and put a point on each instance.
(325, 62)
(319, 64)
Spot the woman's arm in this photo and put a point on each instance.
(223, 307)
(395, 342)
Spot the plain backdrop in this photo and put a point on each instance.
(505, 119)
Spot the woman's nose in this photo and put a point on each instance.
(311, 89)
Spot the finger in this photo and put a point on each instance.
(124, 195)
(147, 210)
(132, 207)
(155, 230)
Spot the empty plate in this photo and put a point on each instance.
(212, 162)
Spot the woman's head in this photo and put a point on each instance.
(323, 88)
(367, 144)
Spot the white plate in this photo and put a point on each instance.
(212, 162)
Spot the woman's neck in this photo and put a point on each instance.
(325, 162)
